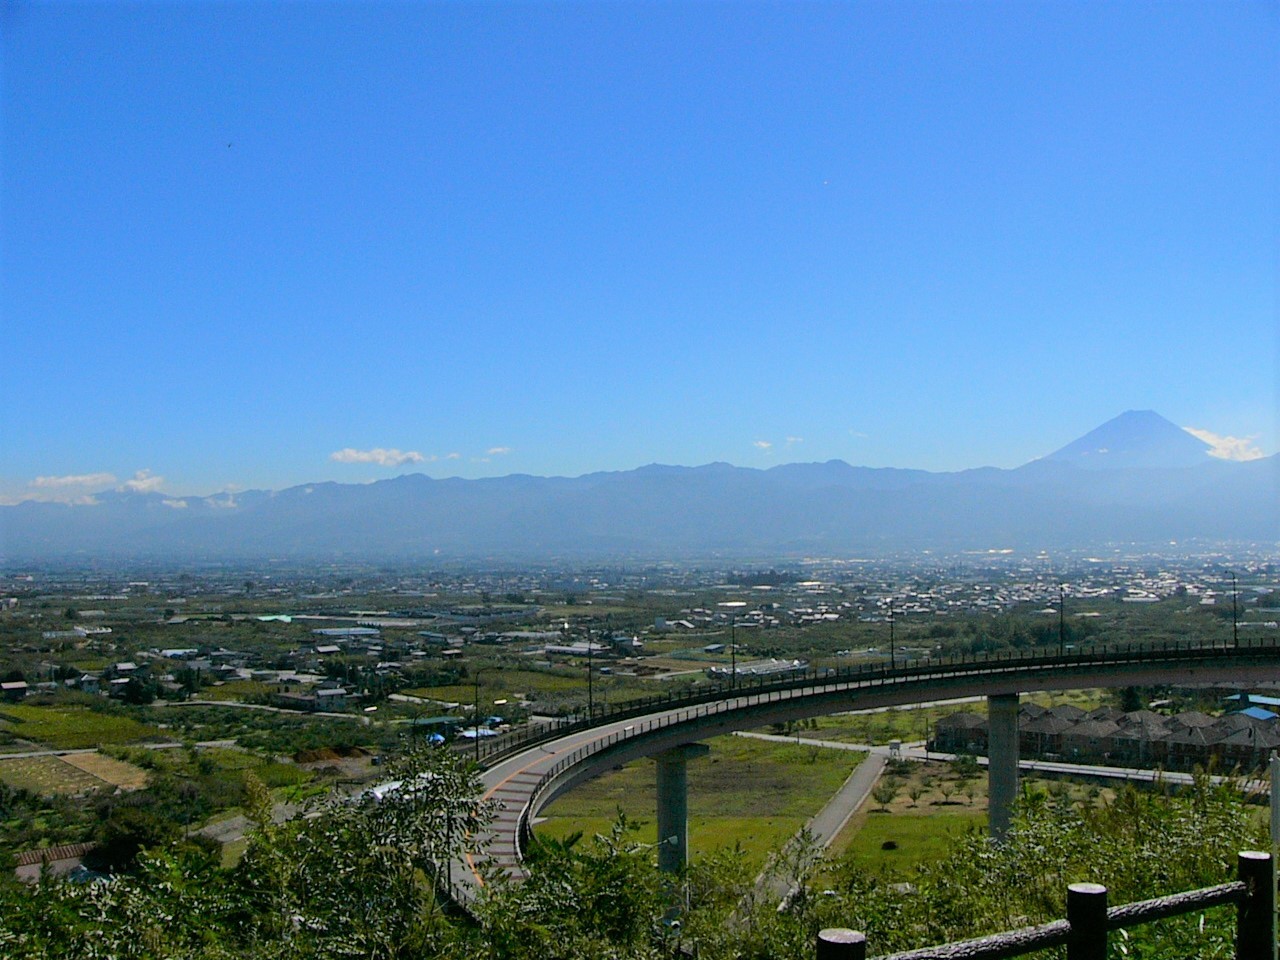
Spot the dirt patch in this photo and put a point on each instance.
(116, 772)
(48, 775)
(330, 754)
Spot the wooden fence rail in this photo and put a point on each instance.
(1089, 921)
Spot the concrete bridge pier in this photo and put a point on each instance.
(673, 805)
(1002, 762)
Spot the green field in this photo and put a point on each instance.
(752, 793)
(224, 762)
(73, 727)
(500, 683)
(237, 690)
(931, 805)
(915, 839)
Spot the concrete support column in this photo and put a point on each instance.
(1002, 757)
(673, 805)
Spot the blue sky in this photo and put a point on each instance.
(252, 245)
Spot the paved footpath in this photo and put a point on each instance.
(826, 823)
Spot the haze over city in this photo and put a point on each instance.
(258, 245)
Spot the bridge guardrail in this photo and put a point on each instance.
(865, 675)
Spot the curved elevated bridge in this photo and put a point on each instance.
(526, 770)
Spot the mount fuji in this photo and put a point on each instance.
(1137, 479)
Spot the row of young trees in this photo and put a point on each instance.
(356, 879)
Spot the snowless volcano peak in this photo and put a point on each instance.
(1136, 438)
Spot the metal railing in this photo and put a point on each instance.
(1089, 921)
(869, 676)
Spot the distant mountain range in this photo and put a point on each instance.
(1137, 478)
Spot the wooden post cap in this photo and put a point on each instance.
(840, 943)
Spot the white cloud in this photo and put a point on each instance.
(76, 480)
(1228, 448)
(453, 456)
(498, 451)
(792, 441)
(381, 456)
(175, 504)
(144, 481)
(761, 444)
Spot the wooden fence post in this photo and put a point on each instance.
(838, 943)
(1087, 914)
(1253, 918)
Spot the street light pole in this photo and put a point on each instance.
(591, 710)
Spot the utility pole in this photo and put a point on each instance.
(893, 660)
(1235, 616)
(476, 717)
(1062, 630)
(733, 606)
(733, 652)
(590, 693)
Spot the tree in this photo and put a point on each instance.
(1131, 699)
(345, 878)
(966, 765)
(129, 829)
(581, 899)
(137, 692)
(885, 791)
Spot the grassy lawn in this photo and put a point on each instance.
(497, 683)
(74, 727)
(236, 690)
(271, 772)
(220, 761)
(901, 723)
(47, 775)
(911, 840)
(933, 804)
(676, 664)
(233, 851)
(753, 793)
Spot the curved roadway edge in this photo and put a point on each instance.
(527, 781)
